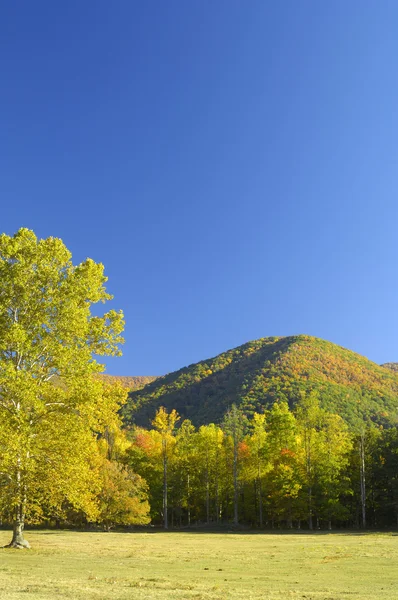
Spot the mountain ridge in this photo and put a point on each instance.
(130, 382)
(393, 366)
(260, 372)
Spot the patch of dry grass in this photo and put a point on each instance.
(200, 566)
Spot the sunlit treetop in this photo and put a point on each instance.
(46, 325)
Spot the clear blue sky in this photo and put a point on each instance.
(233, 164)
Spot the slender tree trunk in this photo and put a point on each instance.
(207, 497)
(260, 497)
(236, 518)
(309, 478)
(289, 517)
(188, 501)
(217, 494)
(255, 498)
(362, 477)
(310, 525)
(218, 504)
(165, 516)
(227, 489)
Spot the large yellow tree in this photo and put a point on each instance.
(49, 395)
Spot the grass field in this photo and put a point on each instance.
(72, 565)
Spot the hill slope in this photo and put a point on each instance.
(392, 366)
(129, 382)
(260, 372)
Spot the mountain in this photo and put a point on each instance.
(257, 374)
(129, 382)
(392, 366)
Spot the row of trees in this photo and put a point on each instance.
(282, 469)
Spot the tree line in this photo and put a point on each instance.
(301, 468)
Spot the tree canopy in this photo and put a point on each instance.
(49, 397)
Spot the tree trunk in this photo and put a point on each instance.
(207, 498)
(362, 477)
(18, 540)
(289, 517)
(217, 497)
(310, 525)
(260, 497)
(236, 519)
(165, 516)
(188, 501)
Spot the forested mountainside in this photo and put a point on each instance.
(392, 366)
(255, 375)
(129, 382)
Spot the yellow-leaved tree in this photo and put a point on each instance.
(164, 424)
(50, 399)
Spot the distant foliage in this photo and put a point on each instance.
(392, 366)
(130, 383)
(255, 375)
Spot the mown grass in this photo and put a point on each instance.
(200, 566)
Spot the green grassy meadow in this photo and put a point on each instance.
(213, 566)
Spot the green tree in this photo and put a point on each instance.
(122, 498)
(386, 471)
(364, 459)
(145, 457)
(185, 463)
(164, 424)
(48, 340)
(282, 480)
(325, 446)
(309, 419)
(210, 447)
(334, 447)
(234, 427)
(259, 458)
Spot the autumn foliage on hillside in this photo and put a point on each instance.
(392, 366)
(257, 374)
(128, 382)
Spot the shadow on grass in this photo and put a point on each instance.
(218, 531)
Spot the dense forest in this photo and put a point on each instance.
(257, 374)
(303, 468)
(279, 432)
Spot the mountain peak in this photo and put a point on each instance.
(271, 369)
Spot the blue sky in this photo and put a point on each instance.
(232, 163)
